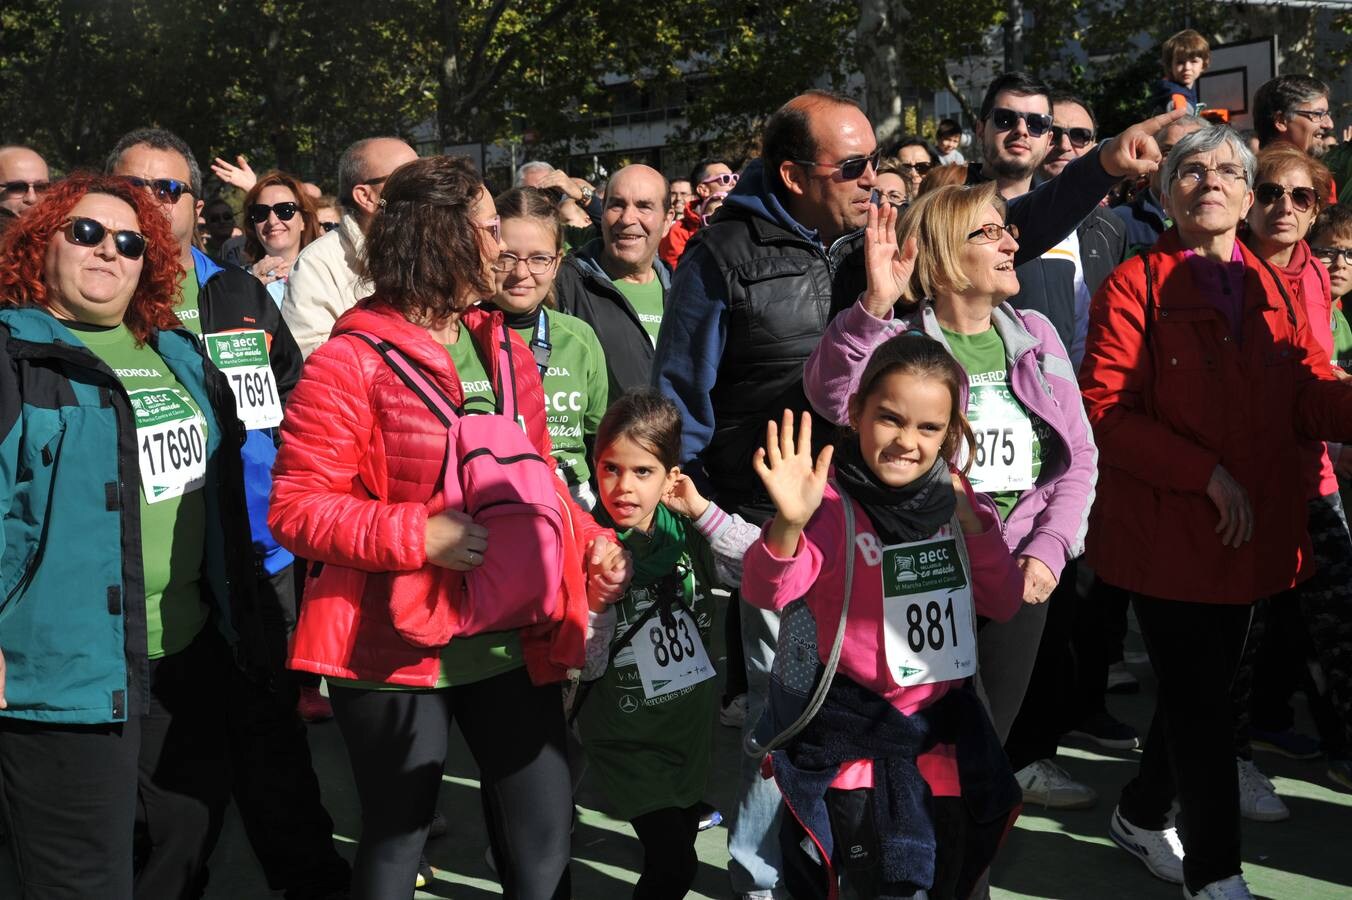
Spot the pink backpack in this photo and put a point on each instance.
(494, 474)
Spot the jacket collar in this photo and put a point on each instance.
(1261, 287)
(204, 267)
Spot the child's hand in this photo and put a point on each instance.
(609, 568)
(888, 267)
(967, 517)
(794, 483)
(684, 499)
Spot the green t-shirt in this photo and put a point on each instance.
(1009, 440)
(646, 299)
(188, 312)
(651, 753)
(1342, 338)
(173, 529)
(576, 391)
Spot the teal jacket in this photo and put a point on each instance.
(72, 611)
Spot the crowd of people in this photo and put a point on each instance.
(922, 432)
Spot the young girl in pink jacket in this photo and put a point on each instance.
(898, 783)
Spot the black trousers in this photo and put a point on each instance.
(397, 742)
(112, 812)
(669, 860)
(1189, 753)
(1045, 712)
(274, 783)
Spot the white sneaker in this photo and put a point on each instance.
(1258, 799)
(1161, 851)
(1232, 888)
(734, 714)
(1047, 783)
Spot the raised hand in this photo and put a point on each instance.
(795, 483)
(1134, 151)
(239, 175)
(684, 499)
(888, 267)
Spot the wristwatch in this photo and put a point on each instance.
(587, 193)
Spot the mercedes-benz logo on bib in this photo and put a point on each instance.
(628, 704)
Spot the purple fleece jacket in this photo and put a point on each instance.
(1049, 521)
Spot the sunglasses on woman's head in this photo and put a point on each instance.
(90, 233)
(1005, 119)
(726, 179)
(1302, 198)
(166, 190)
(258, 212)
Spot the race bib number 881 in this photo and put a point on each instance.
(927, 612)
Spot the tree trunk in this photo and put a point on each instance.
(450, 117)
(879, 59)
(1013, 29)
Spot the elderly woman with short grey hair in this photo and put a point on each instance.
(1200, 379)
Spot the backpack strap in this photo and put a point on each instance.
(818, 699)
(414, 379)
(507, 404)
(540, 346)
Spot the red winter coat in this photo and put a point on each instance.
(357, 476)
(1166, 413)
(679, 234)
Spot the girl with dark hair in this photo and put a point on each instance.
(280, 220)
(647, 699)
(126, 554)
(899, 780)
(566, 350)
(363, 488)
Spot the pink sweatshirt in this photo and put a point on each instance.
(817, 573)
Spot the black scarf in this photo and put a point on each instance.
(899, 515)
(517, 320)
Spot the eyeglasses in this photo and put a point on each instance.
(920, 168)
(1314, 115)
(726, 179)
(166, 190)
(20, 188)
(1193, 174)
(896, 198)
(328, 226)
(537, 265)
(493, 226)
(89, 233)
(1004, 119)
(1302, 198)
(1329, 255)
(258, 212)
(1079, 137)
(993, 232)
(851, 169)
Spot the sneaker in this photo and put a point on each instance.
(733, 713)
(1047, 783)
(1289, 743)
(1121, 681)
(1232, 888)
(313, 706)
(1340, 771)
(1161, 851)
(708, 817)
(438, 827)
(1106, 731)
(1258, 799)
(426, 874)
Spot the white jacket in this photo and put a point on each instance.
(324, 284)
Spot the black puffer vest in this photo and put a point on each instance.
(782, 290)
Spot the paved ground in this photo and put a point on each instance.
(1050, 855)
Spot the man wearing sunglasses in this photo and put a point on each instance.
(708, 177)
(23, 177)
(324, 282)
(274, 784)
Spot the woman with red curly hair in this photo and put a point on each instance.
(124, 553)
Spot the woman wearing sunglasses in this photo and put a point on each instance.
(126, 553)
(279, 222)
(359, 489)
(1204, 385)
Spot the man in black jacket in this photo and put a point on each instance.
(274, 784)
(616, 283)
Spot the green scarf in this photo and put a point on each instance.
(656, 554)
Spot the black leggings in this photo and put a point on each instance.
(397, 741)
(669, 860)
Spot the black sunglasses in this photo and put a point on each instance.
(166, 190)
(1005, 119)
(1302, 198)
(258, 212)
(328, 226)
(1079, 137)
(920, 168)
(20, 188)
(851, 169)
(89, 233)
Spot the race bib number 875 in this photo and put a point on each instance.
(170, 443)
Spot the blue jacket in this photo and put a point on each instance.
(231, 299)
(73, 617)
(1145, 221)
